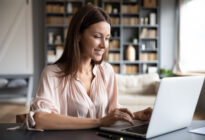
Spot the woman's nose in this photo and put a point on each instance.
(103, 43)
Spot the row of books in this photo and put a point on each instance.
(130, 21)
(130, 9)
(149, 45)
(58, 20)
(113, 57)
(116, 68)
(114, 44)
(148, 33)
(54, 8)
(148, 56)
(130, 69)
(55, 20)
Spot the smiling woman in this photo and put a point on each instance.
(79, 91)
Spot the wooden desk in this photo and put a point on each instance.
(90, 134)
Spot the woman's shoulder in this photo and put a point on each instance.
(106, 66)
(51, 70)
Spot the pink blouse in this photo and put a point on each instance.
(70, 98)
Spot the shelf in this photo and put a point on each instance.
(149, 50)
(147, 8)
(149, 26)
(130, 26)
(55, 25)
(131, 62)
(114, 62)
(54, 2)
(114, 15)
(122, 31)
(114, 38)
(55, 45)
(69, 14)
(114, 50)
(149, 38)
(115, 25)
(55, 14)
(149, 62)
(130, 14)
(130, 43)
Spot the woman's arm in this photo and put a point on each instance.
(50, 121)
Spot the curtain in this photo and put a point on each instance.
(191, 36)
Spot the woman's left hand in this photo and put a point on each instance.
(143, 115)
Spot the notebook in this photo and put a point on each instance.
(173, 108)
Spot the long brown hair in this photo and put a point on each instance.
(87, 15)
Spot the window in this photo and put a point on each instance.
(191, 51)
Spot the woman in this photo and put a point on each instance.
(80, 90)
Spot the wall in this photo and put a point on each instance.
(38, 37)
(168, 34)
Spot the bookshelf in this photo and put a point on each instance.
(134, 45)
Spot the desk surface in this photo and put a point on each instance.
(90, 134)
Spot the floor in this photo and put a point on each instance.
(9, 111)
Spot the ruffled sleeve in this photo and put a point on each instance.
(45, 99)
(111, 85)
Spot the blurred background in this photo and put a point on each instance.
(148, 36)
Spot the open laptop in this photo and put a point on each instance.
(173, 109)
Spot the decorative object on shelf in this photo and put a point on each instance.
(146, 21)
(149, 45)
(51, 58)
(152, 18)
(134, 39)
(144, 68)
(58, 40)
(152, 69)
(3, 82)
(144, 33)
(69, 7)
(115, 10)
(131, 53)
(143, 47)
(17, 83)
(142, 21)
(59, 51)
(50, 38)
(108, 8)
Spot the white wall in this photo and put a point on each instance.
(167, 34)
(16, 44)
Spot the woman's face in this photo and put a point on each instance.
(95, 40)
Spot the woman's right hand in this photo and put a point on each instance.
(118, 114)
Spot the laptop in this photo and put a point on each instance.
(173, 109)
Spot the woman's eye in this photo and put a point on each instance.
(107, 39)
(96, 36)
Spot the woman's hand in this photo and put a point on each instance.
(118, 114)
(143, 115)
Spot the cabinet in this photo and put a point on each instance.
(135, 24)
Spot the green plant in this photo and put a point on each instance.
(166, 73)
(133, 37)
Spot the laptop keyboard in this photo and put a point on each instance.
(142, 129)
